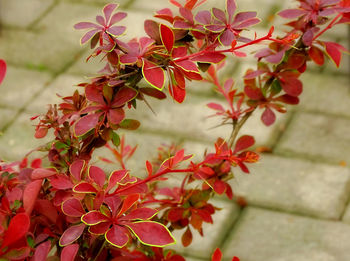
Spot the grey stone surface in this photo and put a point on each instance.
(19, 13)
(64, 85)
(190, 120)
(267, 235)
(320, 137)
(327, 94)
(296, 186)
(213, 233)
(6, 115)
(19, 139)
(346, 216)
(44, 51)
(21, 85)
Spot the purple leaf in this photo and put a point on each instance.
(226, 38)
(69, 252)
(86, 123)
(203, 17)
(291, 13)
(219, 14)
(231, 9)
(73, 208)
(86, 37)
(108, 10)
(117, 17)
(71, 234)
(42, 251)
(116, 30)
(268, 117)
(86, 25)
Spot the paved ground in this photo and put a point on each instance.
(297, 197)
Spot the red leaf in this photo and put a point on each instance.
(69, 252)
(43, 173)
(334, 52)
(117, 236)
(17, 229)
(243, 143)
(268, 117)
(175, 214)
(217, 255)
(71, 234)
(177, 93)
(209, 57)
(216, 107)
(77, 168)
(85, 124)
(187, 237)
(47, 209)
(153, 93)
(219, 187)
(153, 74)
(73, 208)
(152, 29)
(316, 55)
(61, 182)
(124, 95)
(129, 201)
(292, 86)
(149, 168)
(116, 177)
(93, 218)
(167, 37)
(97, 175)
(2, 70)
(42, 251)
(84, 187)
(152, 233)
(40, 132)
(30, 195)
(140, 214)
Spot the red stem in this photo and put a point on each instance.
(329, 26)
(149, 178)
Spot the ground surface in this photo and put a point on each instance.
(297, 196)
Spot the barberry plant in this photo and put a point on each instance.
(74, 210)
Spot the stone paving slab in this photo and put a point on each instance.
(63, 85)
(44, 51)
(19, 13)
(296, 186)
(317, 136)
(60, 21)
(20, 86)
(7, 115)
(346, 216)
(274, 236)
(19, 139)
(325, 94)
(203, 247)
(190, 120)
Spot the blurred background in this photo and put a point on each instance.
(293, 205)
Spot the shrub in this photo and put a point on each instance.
(73, 210)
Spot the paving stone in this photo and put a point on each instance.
(20, 86)
(42, 51)
(19, 13)
(346, 216)
(83, 68)
(64, 85)
(6, 116)
(147, 145)
(19, 139)
(325, 93)
(189, 120)
(274, 236)
(60, 21)
(316, 136)
(98, 2)
(295, 185)
(203, 247)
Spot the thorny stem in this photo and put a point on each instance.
(100, 250)
(237, 128)
(329, 26)
(149, 178)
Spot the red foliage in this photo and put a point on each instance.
(73, 210)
